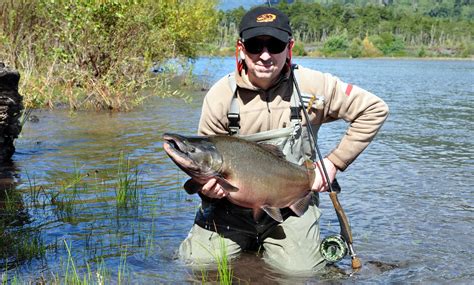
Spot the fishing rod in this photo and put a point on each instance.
(346, 232)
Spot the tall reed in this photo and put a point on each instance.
(221, 259)
(127, 183)
(66, 198)
(71, 274)
(224, 268)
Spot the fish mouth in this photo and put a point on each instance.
(178, 151)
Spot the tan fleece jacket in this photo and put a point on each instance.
(263, 110)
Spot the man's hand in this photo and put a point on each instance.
(212, 189)
(320, 184)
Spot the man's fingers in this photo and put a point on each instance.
(221, 192)
(212, 189)
(209, 185)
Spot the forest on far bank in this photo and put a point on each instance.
(361, 28)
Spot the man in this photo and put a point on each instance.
(258, 102)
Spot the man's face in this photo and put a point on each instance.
(265, 58)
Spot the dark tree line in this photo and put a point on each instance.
(445, 27)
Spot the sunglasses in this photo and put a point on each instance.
(255, 45)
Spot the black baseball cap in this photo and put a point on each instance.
(265, 21)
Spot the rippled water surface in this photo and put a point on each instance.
(409, 196)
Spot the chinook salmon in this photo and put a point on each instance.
(256, 176)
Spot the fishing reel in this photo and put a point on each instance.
(333, 248)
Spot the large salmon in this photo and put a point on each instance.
(256, 175)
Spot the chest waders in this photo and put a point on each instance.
(233, 221)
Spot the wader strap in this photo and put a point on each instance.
(234, 113)
(295, 102)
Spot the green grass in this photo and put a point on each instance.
(149, 241)
(221, 259)
(34, 190)
(73, 275)
(25, 115)
(10, 204)
(224, 268)
(67, 196)
(31, 246)
(4, 278)
(18, 247)
(127, 183)
(96, 54)
(123, 272)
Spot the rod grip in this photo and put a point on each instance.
(341, 216)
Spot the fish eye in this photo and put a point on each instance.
(192, 149)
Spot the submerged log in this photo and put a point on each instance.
(11, 105)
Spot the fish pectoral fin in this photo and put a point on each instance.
(192, 186)
(300, 207)
(273, 212)
(226, 185)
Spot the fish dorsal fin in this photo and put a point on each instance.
(226, 185)
(273, 212)
(192, 186)
(272, 149)
(300, 207)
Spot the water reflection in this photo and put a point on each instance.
(20, 240)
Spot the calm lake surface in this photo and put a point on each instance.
(409, 196)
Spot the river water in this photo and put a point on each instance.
(409, 196)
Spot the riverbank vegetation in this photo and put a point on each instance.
(104, 54)
(97, 54)
(357, 28)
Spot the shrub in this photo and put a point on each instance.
(336, 43)
(96, 53)
(368, 49)
(298, 49)
(355, 48)
(422, 52)
(389, 44)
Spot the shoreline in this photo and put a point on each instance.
(444, 58)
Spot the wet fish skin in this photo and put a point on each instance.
(256, 176)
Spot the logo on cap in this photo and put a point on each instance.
(265, 18)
